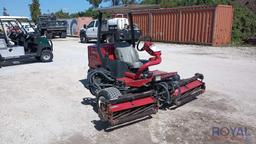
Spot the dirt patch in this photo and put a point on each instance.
(199, 129)
(74, 139)
(210, 100)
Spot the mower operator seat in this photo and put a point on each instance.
(126, 53)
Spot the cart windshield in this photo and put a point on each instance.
(2, 36)
(26, 25)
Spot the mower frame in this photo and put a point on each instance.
(125, 93)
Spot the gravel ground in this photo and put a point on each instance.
(43, 103)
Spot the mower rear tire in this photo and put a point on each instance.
(46, 56)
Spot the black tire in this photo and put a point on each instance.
(83, 39)
(46, 56)
(49, 35)
(38, 58)
(108, 94)
(109, 39)
(63, 35)
(99, 79)
(1, 60)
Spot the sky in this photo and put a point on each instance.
(20, 7)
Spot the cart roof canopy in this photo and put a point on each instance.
(12, 17)
(126, 8)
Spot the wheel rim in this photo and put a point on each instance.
(82, 39)
(109, 39)
(163, 94)
(101, 108)
(46, 57)
(100, 102)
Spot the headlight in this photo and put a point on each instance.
(157, 78)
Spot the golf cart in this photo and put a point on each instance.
(17, 42)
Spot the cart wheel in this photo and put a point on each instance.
(46, 56)
(38, 58)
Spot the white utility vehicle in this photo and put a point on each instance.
(119, 26)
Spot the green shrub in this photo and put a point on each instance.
(244, 24)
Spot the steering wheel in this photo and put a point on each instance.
(28, 36)
(13, 35)
(145, 38)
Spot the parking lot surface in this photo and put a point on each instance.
(47, 103)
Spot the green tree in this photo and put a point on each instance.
(244, 24)
(121, 2)
(129, 1)
(95, 3)
(35, 10)
(115, 2)
(91, 12)
(62, 14)
(5, 13)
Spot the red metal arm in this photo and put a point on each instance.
(152, 61)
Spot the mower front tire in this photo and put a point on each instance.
(101, 100)
(46, 56)
(109, 93)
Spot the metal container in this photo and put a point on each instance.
(75, 24)
(210, 25)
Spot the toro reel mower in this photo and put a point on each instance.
(124, 87)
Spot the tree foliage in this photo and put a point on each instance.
(95, 3)
(62, 14)
(244, 24)
(5, 13)
(87, 13)
(129, 1)
(121, 2)
(35, 10)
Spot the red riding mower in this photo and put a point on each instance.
(124, 87)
